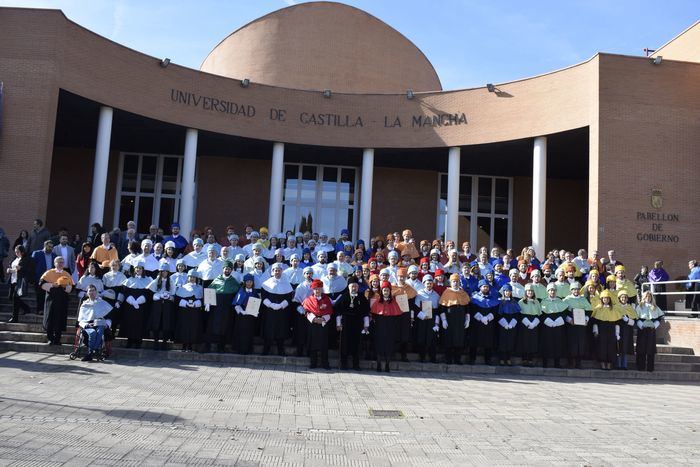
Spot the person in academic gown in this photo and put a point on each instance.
(528, 332)
(455, 319)
(553, 331)
(136, 306)
(649, 317)
(161, 322)
(333, 285)
(221, 316)
(276, 296)
(406, 318)
(426, 324)
(576, 334)
(352, 318)
(92, 318)
(113, 282)
(91, 276)
(300, 323)
(606, 318)
(629, 319)
(294, 273)
(57, 283)
(210, 268)
(245, 324)
(484, 309)
(175, 237)
(537, 285)
(319, 309)
(508, 316)
(150, 263)
(189, 299)
(195, 257)
(385, 313)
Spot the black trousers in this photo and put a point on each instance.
(17, 302)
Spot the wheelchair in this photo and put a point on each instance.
(80, 344)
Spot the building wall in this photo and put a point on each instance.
(404, 198)
(649, 139)
(101, 70)
(684, 47)
(566, 224)
(71, 188)
(29, 70)
(291, 48)
(232, 191)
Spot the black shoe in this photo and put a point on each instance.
(87, 358)
(13, 319)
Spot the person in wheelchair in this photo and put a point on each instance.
(93, 322)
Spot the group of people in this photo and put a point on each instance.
(317, 293)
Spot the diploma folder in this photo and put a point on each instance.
(252, 308)
(210, 297)
(579, 317)
(427, 309)
(402, 301)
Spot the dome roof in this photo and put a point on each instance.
(323, 45)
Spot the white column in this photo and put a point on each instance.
(451, 230)
(188, 183)
(539, 195)
(364, 231)
(99, 173)
(274, 219)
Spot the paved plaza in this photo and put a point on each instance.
(133, 412)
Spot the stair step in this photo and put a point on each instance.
(120, 343)
(301, 362)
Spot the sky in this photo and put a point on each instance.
(469, 42)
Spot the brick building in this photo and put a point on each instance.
(281, 123)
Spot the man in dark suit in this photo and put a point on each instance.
(154, 236)
(125, 240)
(43, 261)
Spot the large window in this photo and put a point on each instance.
(319, 198)
(148, 190)
(485, 210)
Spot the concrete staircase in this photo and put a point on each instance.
(672, 363)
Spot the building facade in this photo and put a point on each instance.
(283, 127)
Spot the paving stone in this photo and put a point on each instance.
(174, 412)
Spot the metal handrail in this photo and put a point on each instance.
(651, 286)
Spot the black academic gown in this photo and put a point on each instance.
(134, 319)
(353, 311)
(189, 318)
(276, 325)
(161, 321)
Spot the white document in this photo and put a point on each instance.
(402, 301)
(427, 309)
(210, 297)
(579, 317)
(252, 308)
